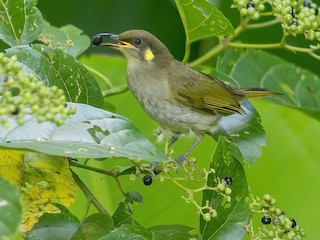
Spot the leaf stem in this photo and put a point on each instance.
(100, 75)
(94, 169)
(115, 90)
(90, 197)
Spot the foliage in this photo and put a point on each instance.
(45, 57)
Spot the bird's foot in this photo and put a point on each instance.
(180, 159)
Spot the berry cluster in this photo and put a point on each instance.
(299, 17)
(275, 223)
(223, 188)
(250, 8)
(22, 93)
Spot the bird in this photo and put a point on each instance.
(180, 99)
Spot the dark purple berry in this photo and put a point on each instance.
(266, 220)
(294, 22)
(147, 180)
(250, 4)
(228, 180)
(97, 40)
(15, 111)
(294, 223)
(282, 214)
(307, 3)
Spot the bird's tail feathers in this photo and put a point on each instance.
(255, 93)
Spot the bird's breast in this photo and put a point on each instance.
(153, 93)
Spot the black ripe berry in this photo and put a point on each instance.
(15, 111)
(294, 22)
(147, 180)
(250, 4)
(282, 214)
(294, 223)
(97, 40)
(228, 180)
(307, 3)
(266, 220)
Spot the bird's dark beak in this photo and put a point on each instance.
(97, 40)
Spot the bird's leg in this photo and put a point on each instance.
(172, 140)
(180, 159)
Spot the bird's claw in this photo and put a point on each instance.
(180, 159)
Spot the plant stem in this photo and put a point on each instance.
(99, 170)
(90, 197)
(251, 45)
(218, 48)
(100, 75)
(263, 24)
(115, 90)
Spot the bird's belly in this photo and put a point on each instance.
(179, 118)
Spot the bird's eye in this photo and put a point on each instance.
(137, 41)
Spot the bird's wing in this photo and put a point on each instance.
(205, 93)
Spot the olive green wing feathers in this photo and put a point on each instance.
(205, 93)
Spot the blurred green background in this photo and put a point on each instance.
(289, 167)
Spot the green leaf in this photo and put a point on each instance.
(173, 232)
(21, 22)
(234, 215)
(122, 215)
(90, 133)
(10, 210)
(129, 232)
(301, 88)
(202, 20)
(135, 197)
(55, 67)
(59, 226)
(93, 227)
(244, 131)
(80, 42)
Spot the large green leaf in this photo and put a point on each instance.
(10, 210)
(80, 42)
(301, 88)
(244, 131)
(90, 133)
(173, 232)
(202, 20)
(130, 232)
(93, 227)
(59, 226)
(55, 67)
(234, 215)
(20, 21)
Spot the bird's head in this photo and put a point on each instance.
(136, 45)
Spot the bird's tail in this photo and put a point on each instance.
(243, 93)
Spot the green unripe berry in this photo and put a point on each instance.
(251, 11)
(243, 12)
(228, 191)
(267, 197)
(207, 217)
(221, 187)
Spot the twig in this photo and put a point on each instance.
(90, 197)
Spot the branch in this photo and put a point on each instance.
(90, 197)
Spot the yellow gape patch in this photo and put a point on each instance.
(148, 55)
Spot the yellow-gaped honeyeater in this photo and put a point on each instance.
(177, 97)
